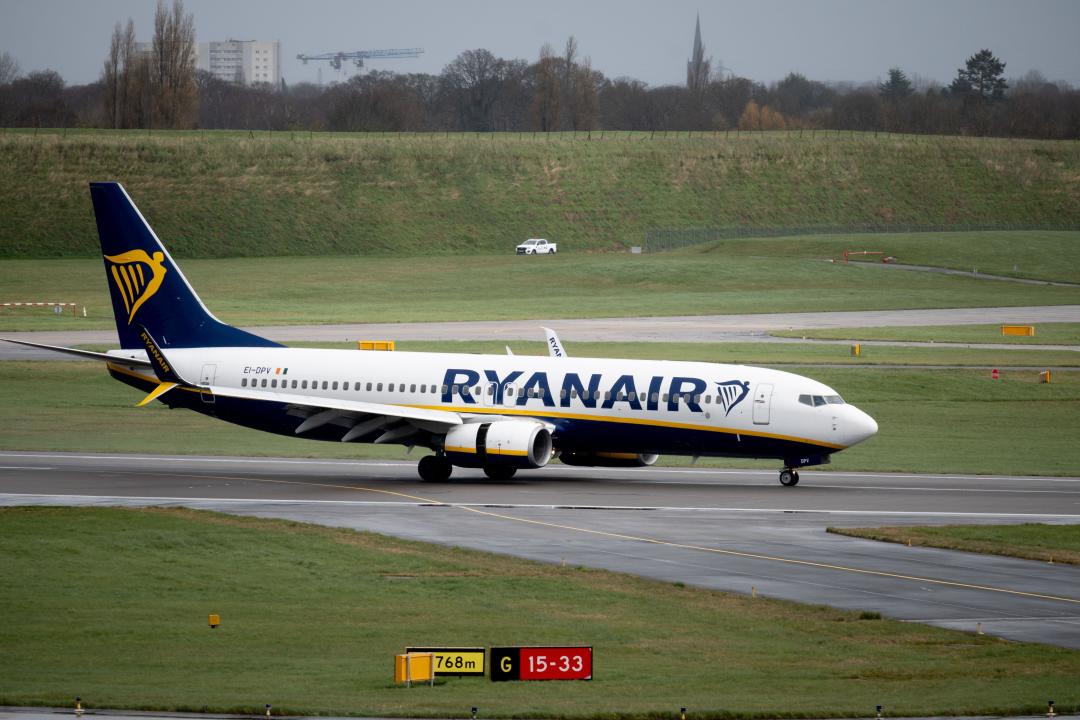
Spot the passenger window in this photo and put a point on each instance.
(607, 395)
(562, 394)
(412, 388)
(379, 387)
(369, 387)
(243, 382)
(334, 386)
(708, 399)
(294, 384)
(656, 397)
(423, 388)
(264, 382)
(443, 389)
(345, 385)
(325, 385)
(697, 398)
(573, 392)
(509, 391)
(665, 397)
(273, 383)
(641, 396)
(303, 384)
(490, 390)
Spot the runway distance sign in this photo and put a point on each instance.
(455, 661)
(541, 663)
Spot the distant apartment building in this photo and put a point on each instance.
(242, 61)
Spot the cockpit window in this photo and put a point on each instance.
(819, 400)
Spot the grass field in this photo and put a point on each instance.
(696, 281)
(930, 421)
(111, 605)
(231, 195)
(1045, 334)
(1032, 254)
(1032, 541)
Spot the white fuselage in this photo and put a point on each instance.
(616, 405)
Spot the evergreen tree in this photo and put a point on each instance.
(980, 78)
(897, 87)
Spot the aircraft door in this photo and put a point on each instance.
(762, 403)
(491, 395)
(206, 379)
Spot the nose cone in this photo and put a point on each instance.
(859, 426)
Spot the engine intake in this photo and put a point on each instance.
(512, 443)
(608, 459)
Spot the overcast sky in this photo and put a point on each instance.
(833, 40)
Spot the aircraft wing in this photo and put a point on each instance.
(354, 417)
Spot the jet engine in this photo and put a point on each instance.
(509, 443)
(608, 459)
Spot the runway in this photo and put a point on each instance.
(732, 530)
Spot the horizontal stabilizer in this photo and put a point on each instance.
(157, 392)
(82, 353)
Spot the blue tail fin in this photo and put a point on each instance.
(146, 284)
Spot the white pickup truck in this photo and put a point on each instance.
(536, 246)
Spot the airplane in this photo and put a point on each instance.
(498, 413)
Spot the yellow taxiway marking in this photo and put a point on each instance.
(658, 541)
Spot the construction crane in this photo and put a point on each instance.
(358, 56)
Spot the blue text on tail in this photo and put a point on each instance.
(146, 285)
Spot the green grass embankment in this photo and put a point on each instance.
(1031, 541)
(111, 605)
(747, 277)
(937, 421)
(231, 195)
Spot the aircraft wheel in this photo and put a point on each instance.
(434, 468)
(499, 472)
(789, 478)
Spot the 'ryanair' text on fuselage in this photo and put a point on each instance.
(459, 381)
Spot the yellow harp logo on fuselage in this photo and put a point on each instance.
(137, 277)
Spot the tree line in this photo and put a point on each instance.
(558, 91)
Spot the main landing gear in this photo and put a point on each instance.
(789, 477)
(499, 472)
(434, 468)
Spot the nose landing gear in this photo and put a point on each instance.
(789, 477)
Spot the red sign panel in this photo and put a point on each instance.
(555, 663)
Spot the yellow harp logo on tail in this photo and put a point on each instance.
(137, 277)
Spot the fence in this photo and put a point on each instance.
(661, 239)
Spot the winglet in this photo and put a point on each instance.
(162, 367)
(555, 346)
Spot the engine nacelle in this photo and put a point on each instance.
(608, 459)
(511, 443)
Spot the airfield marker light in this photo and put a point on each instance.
(1050, 709)
(753, 591)
(878, 712)
(79, 710)
(474, 713)
(978, 628)
(682, 713)
(267, 709)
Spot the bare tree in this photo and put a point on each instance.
(547, 98)
(110, 77)
(9, 68)
(173, 67)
